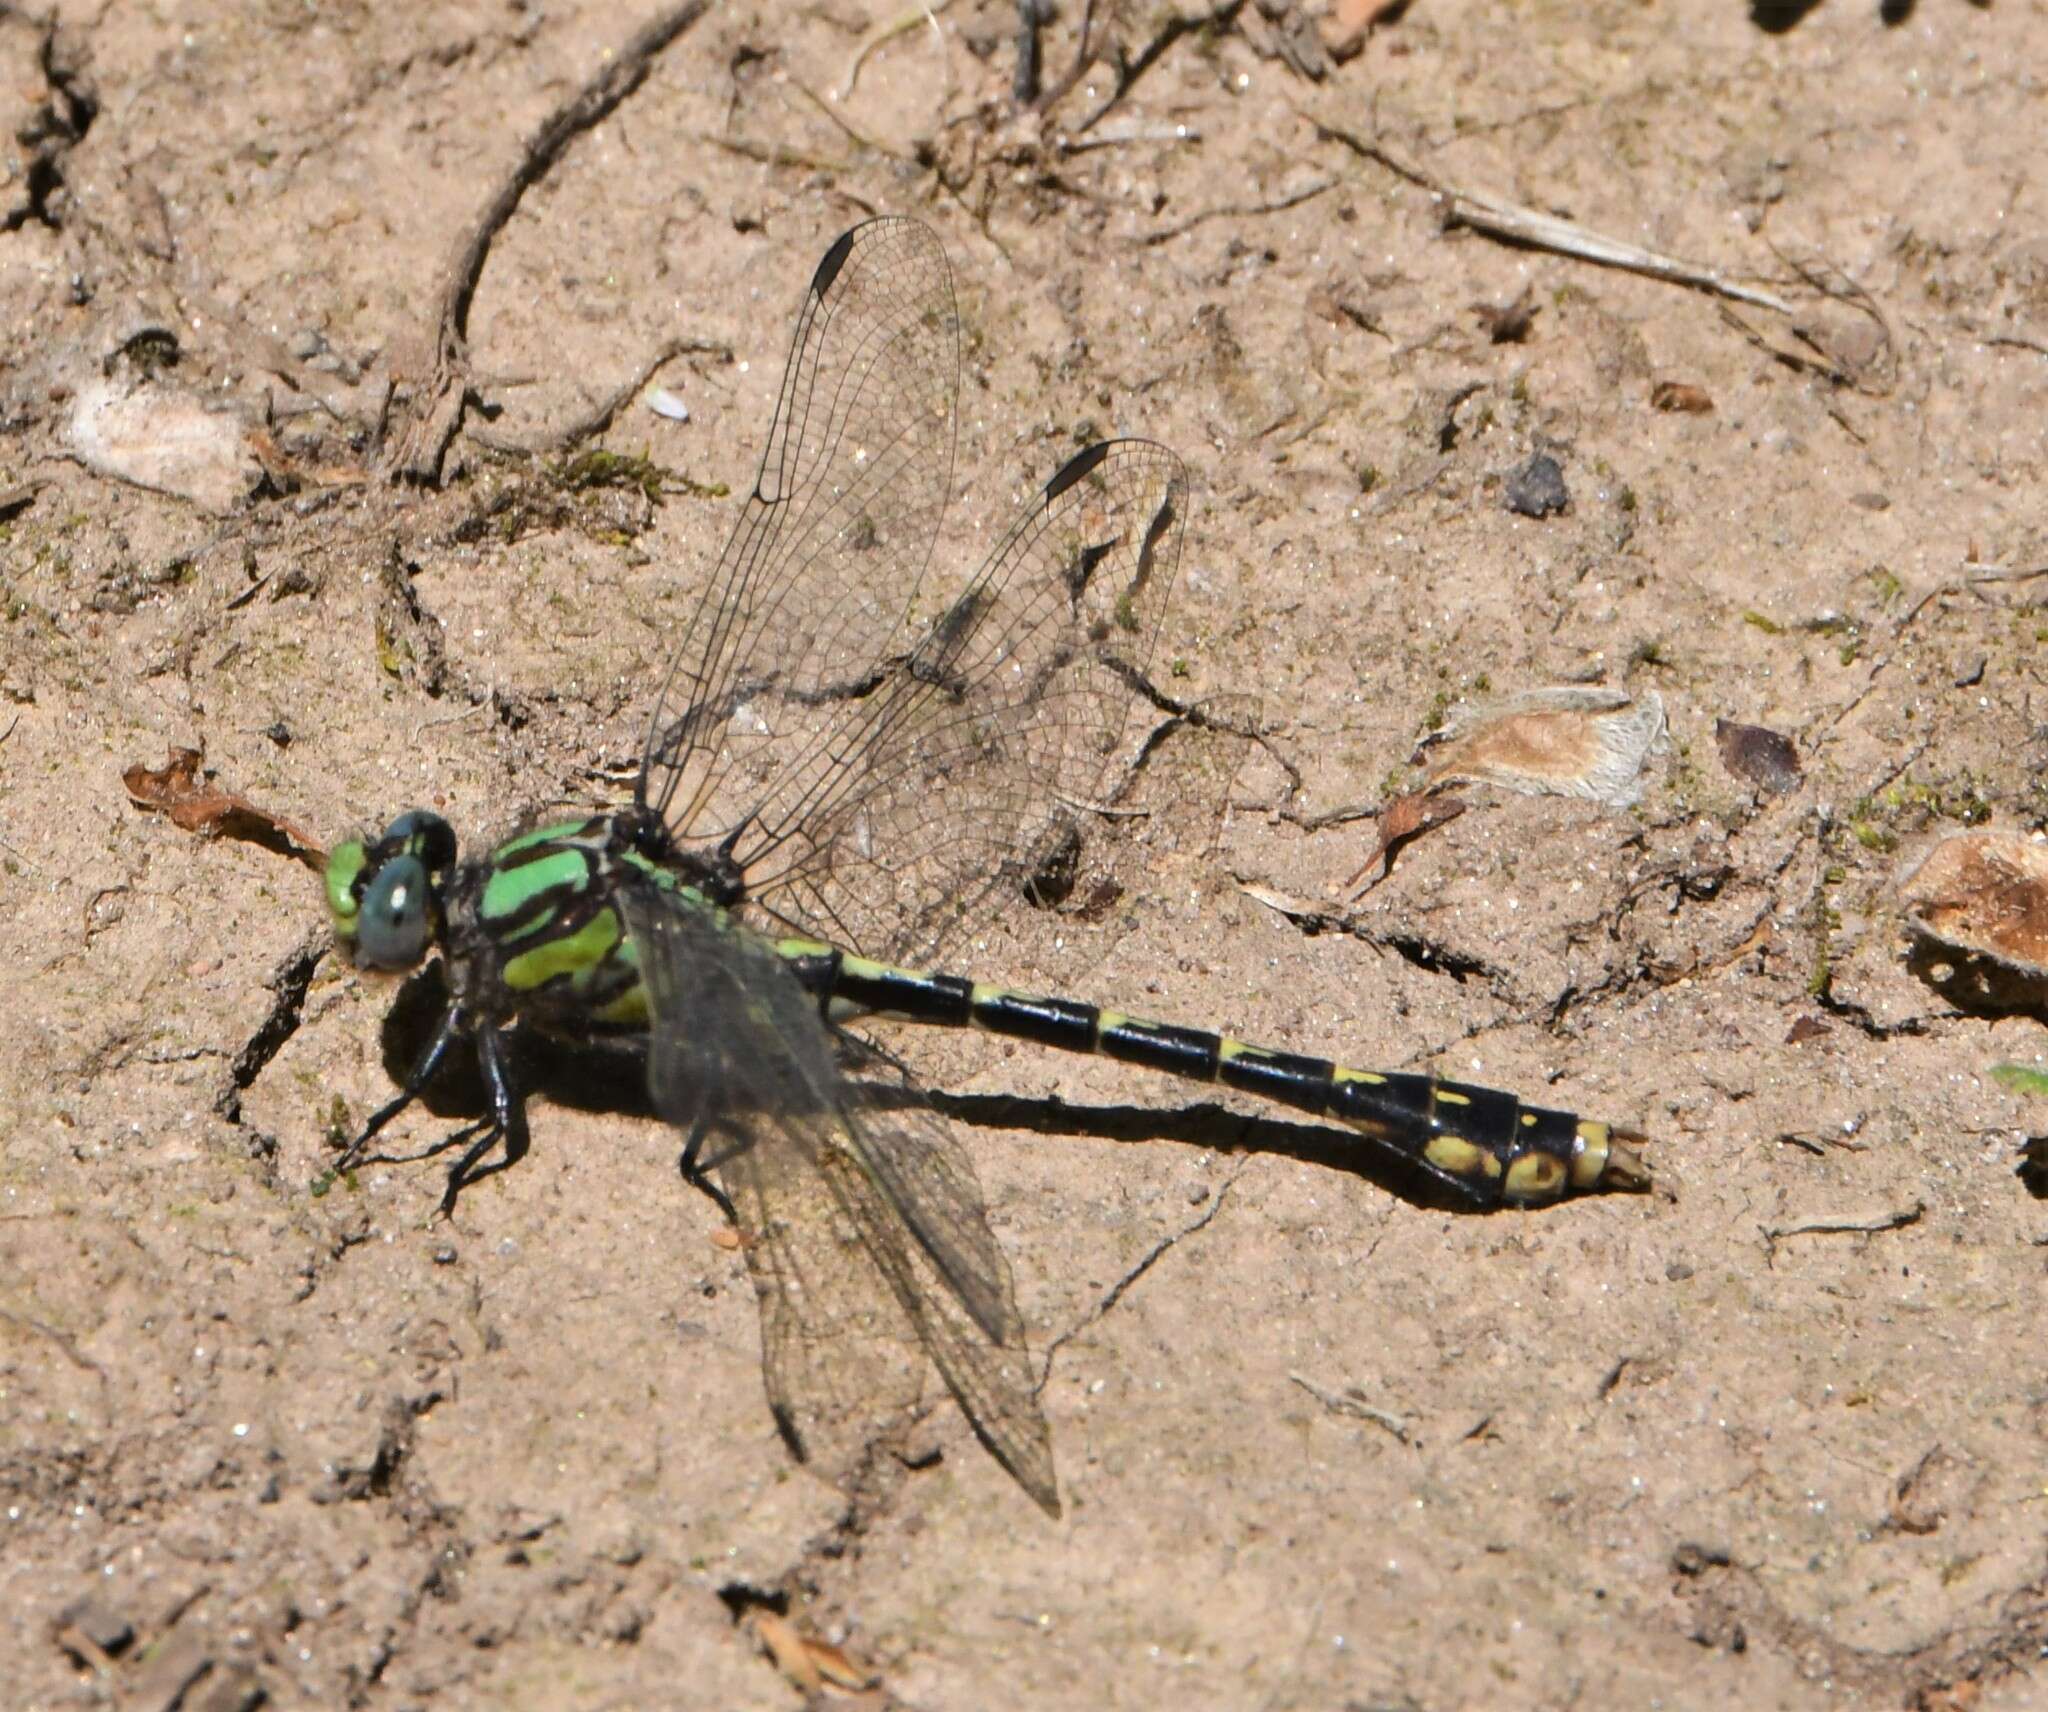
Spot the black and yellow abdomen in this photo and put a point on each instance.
(1488, 1144)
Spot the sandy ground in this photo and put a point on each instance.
(1773, 1436)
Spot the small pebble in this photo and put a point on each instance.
(1537, 489)
(1757, 755)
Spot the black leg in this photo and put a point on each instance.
(696, 1169)
(434, 1149)
(450, 1030)
(507, 1122)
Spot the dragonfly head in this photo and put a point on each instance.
(385, 893)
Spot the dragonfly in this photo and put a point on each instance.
(841, 771)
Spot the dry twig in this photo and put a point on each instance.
(436, 412)
(1148, 56)
(1239, 211)
(1509, 220)
(599, 417)
(1875, 1225)
(886, 30)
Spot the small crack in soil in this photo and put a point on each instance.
(289, 983)
(2005, 1636)
(1434, 959)
(1859, 1018)
(55, 129)
(1144, 1264)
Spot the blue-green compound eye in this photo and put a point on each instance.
(425, 833)
(391, 932)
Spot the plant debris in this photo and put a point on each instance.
(195, 805)
(1408, 816)
(1976, 908)
(1571, 741)
(812, 1665)
(1681, 395)
(1758, 756)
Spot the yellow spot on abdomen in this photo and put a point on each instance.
(1462, 1158)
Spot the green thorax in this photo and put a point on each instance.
(546, 912)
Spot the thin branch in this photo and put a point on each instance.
(1875, 1225)
(1170, 32)
(597, 419)
(1122, 136)
(1294, 199)
(1509, 220)
(437, 412)
(1084, 57)
(777, 154)
(1799, 361)
(1032, 16)
(833, 117)
(1350, 1402)
(1977, 572)
(887, 30)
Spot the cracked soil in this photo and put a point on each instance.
(282, 482)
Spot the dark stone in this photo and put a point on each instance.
(1537, 489)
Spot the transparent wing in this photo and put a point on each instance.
(821, 570)
(864, 1229)
(893, 802)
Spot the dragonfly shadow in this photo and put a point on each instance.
(610, 1076)
(599, 1075)
(1204, 1124)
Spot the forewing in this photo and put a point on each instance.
(823, 564)
(962, 762)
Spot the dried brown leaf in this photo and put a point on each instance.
(1925, 1495)
(1985, 892)
(1406, 817)
(1569, 741)
(1681, 395)
(838, 1670)
(196, 805)
(1757, 755)
(1349, 22)
(812, 1665)
(785, 1644)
